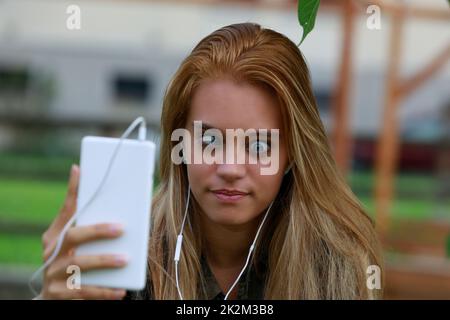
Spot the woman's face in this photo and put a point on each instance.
(224, 104)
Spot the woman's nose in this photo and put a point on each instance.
(230, 172)
(234, 162)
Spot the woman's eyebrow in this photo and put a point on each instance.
(206, 126)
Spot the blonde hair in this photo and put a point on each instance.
(319, 239)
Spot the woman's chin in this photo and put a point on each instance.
(228, 218)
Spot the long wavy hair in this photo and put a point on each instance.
(319, 240)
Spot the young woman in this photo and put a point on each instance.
(314, 239)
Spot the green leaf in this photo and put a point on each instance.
(307, 12)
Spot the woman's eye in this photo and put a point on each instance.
(258, 147)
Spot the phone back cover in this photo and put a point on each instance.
(125, 198)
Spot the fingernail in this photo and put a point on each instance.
(121, 260)
(115, 229)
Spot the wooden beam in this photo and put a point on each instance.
(418, 12)
(409, 85)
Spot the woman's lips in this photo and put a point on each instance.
(226, 197)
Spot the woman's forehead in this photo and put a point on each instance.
(225, 104)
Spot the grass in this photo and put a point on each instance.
(20, 249)
(30, 200)
(423, 184)
(412, 209)
(27, 201)
(35, 166)
(33, 200)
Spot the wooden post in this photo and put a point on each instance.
(388, 146)
(342, 101)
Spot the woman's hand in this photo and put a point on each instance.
(56, 275)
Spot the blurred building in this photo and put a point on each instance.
(118, 64)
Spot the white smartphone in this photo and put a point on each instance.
(125, 198)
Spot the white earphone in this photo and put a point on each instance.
(287, 170)
(180, 241)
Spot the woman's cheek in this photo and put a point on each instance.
(198, 174)
(267, 188)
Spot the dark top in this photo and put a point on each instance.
(250, 285)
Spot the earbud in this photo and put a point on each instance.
(287, 170)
